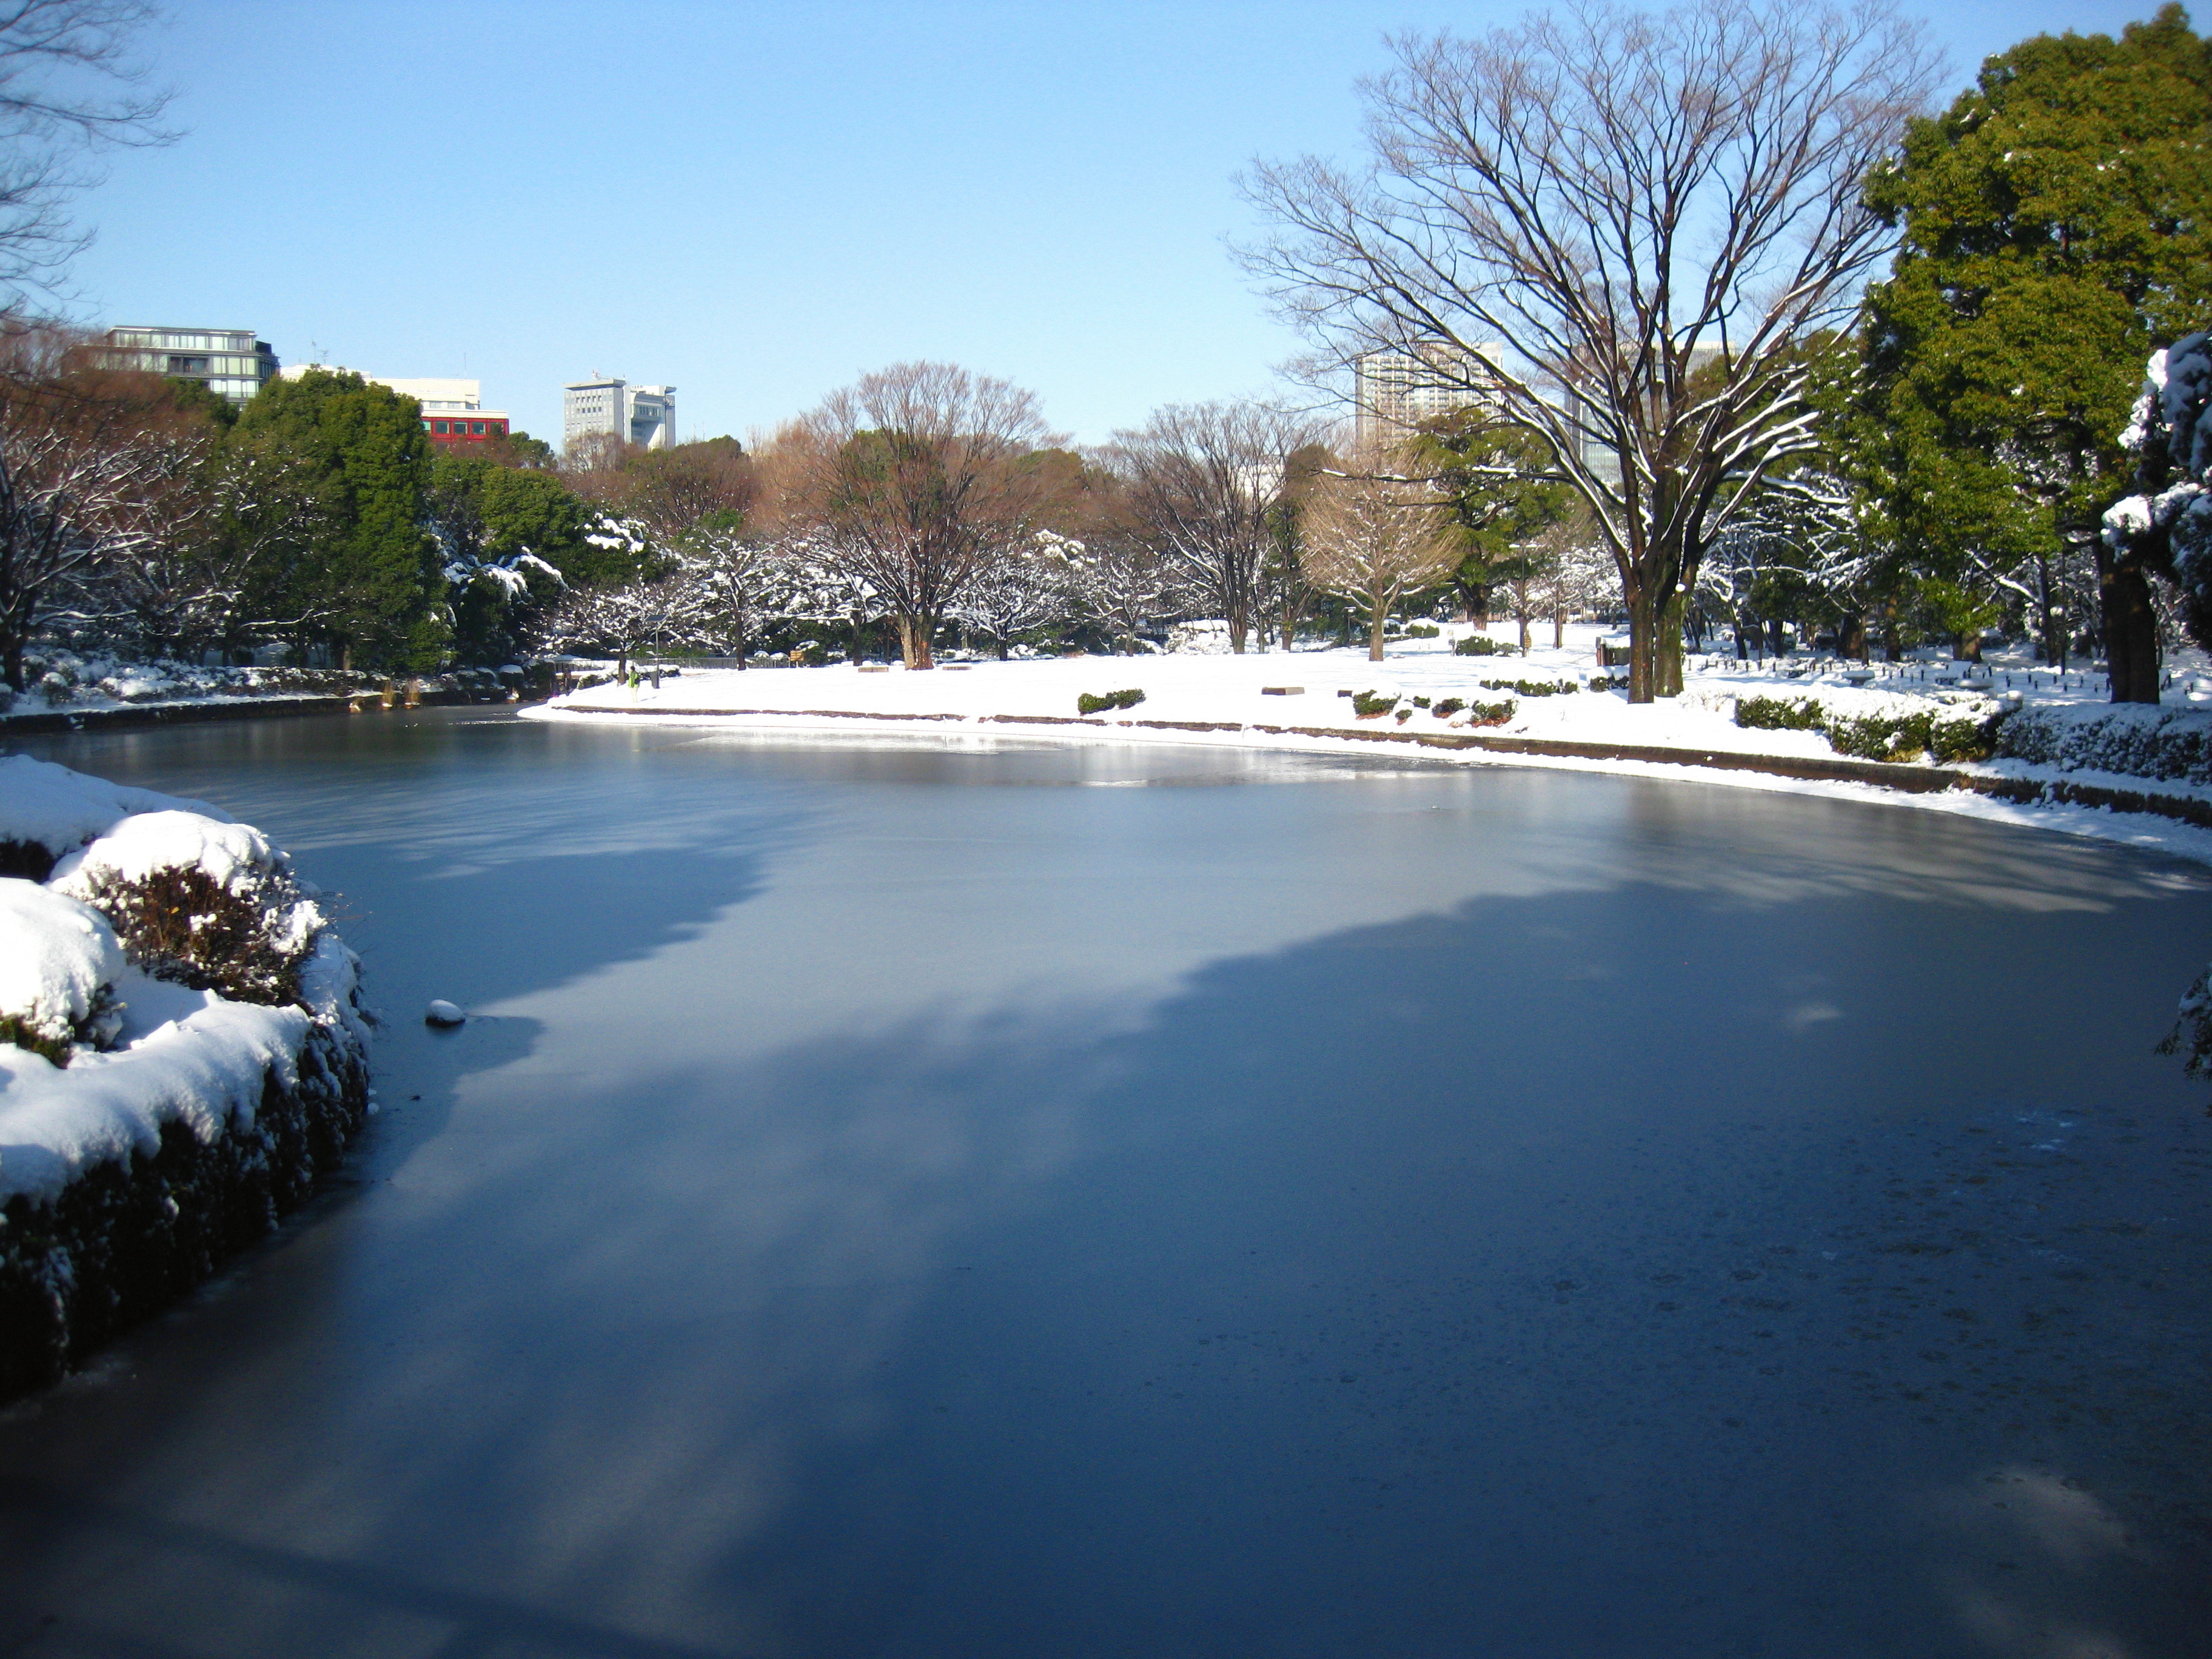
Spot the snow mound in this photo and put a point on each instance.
(57, 957)
(50, 806)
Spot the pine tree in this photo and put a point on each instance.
(2056, 223)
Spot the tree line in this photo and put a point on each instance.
(1800, 349)
(922, 504)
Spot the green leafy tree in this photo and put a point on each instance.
(366, 580)
(2056, 222)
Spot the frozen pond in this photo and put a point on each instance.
(1031, 1200)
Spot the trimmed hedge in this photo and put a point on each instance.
(1943, 735)
(1087, 704)
(2173, 745)
(1531, 688)
(1368, 704)
(1481, 645)
(126, 1238)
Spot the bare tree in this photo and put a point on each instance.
(1204, 481)
(1376, 539)
(740, 583)
(68, 86)
(1028, 586)
(913, 476)
(91, 475)
(1616, 231)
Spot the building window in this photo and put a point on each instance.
(437, 426)
(476, 426)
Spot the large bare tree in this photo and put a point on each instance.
(1618, 231)
(1205, 481)
(70, 85)
(913, 476)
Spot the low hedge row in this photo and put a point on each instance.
(126, 1238)
(1531, 688)
(1944, 735)
(2174, 744)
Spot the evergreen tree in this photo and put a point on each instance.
(2056, 222)
(511, 539)
(366, 582)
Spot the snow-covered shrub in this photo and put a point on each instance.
(1531, 688)
(2192, 1031)
(2173, 745)
(1778, 714)
(1088, 703)
(1897, 731)
(58, 962)
(1491, 714)
(1449, 706)
(150, 1128)
(1481, 645)
(199, 902)
(1366, 705)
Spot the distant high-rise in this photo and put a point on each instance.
(641, 415)
(228, 361)
(1397, 390)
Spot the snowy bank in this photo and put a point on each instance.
(1928, 733)
(182, 1054)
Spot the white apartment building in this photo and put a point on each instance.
(641, 415)
(1394, 390)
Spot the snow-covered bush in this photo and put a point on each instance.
(2192, 1030)
(1901, 730)
(200, 902)
(58, 964)
(1089, 703)
(182, 1054)
(2173, 745)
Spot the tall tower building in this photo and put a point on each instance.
(641, 415)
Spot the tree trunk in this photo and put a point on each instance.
(1375, 618)
(1966, 646)
(1559, 627)
(1522, 619)
(1667, 655)
(1852, 637)
(1643, 648)
(2131, 654)
(1003, 648)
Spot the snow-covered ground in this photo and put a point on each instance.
(95, 1055)
(968, 702)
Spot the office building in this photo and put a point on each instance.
(641, 415)
(228, 361)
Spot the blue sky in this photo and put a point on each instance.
(755, 203)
